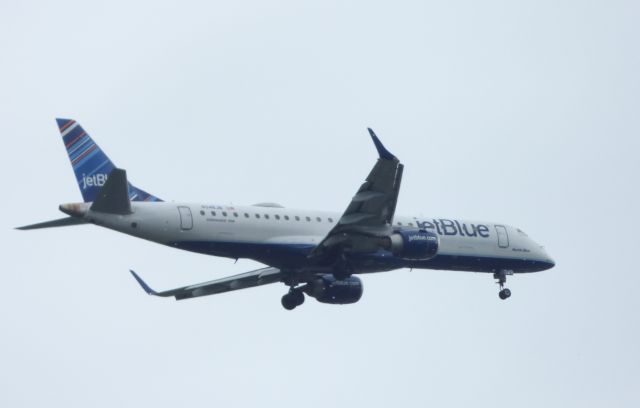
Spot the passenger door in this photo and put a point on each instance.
(186, 219)
(503, 237)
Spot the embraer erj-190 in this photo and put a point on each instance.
(314, 253)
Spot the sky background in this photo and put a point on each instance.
(524, 112)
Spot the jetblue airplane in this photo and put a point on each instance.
(314, 253)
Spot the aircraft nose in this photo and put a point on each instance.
(547, 261)
(550, 262)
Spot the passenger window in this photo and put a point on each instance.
(246, 215)
(201, 212)
(399, 224)
(297, 218)
(318, 219)
(257, 215)
(213, 213)
(224, 213)
(308, 219)
(266, 216)
(277, 217)
(235, 214)
(286, 217)
(331, 220)
(411, 224)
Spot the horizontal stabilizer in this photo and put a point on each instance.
(113, 197)
(62, 222)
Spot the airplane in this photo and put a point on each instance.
(315, 253)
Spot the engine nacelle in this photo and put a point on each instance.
(414, 244)
(328, 289)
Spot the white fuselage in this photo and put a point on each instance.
(283, 237)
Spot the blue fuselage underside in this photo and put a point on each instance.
(295, 256)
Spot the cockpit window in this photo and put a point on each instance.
(522, 232)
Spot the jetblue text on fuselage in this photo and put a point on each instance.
(443, 226)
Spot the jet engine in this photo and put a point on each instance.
(413, 244)
(328, 289)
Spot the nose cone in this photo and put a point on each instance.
(546, 261)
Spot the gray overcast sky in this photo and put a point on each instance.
(519, 112)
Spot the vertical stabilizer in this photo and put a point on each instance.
(90, 165)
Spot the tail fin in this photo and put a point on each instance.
(90, 165)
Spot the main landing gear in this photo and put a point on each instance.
(293, 299)
(501, 276)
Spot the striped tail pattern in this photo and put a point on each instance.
(90, 165)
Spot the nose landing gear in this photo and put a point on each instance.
(504, 293)
(501, 276)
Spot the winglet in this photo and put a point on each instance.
(143, 284)
(382, 151)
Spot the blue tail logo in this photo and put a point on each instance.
(90, 165)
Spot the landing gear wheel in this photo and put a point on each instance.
(288, 302)
(504, 294)
(501, 276)
(298, 297)
(292, 299)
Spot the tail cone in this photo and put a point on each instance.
(74, 209)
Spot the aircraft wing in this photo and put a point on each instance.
(258, 277)
(371, 210)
